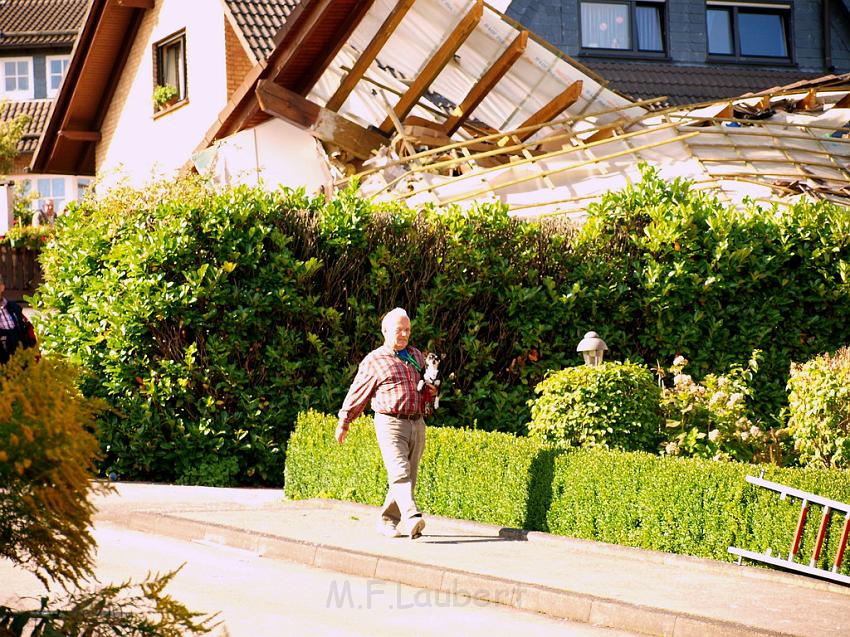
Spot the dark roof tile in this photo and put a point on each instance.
(260, 20)
(690, 84)
(40, 23)
(38, 110)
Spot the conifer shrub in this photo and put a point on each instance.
(47, 454)
(819, 409)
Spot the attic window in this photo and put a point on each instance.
(749, 31)
(636, 26)
(170, 64)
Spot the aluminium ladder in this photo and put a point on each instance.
(807, 500)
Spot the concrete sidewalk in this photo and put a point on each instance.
(604, 585)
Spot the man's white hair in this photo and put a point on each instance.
(392, 317)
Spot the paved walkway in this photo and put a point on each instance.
(603, 585)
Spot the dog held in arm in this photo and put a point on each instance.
(431, 374)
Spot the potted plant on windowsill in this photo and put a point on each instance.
(164, 95)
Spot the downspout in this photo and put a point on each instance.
(827, 38)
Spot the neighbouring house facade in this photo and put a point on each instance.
(110, 126)
(696, 50)
(36, 40)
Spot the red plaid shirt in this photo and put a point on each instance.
(389, 382)
(7, 321)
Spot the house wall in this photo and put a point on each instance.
(238, 62)
(138, 144)
(558, 22)
(253, 156)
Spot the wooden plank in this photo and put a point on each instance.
(844, 102)
(554, 108)
(436, 64)
(135, 4)
(809, 102)
(80, 135)
(487, 82)
(369, 54)
(320, 122)
(324, 59)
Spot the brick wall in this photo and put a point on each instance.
(238, 62)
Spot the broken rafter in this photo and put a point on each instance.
(554, 108)
(487, 82)
(553, 171)
(436, 64)
(498, 136)
(557, 153)
(369, 54)
(320, 122)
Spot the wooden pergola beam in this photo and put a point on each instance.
(369, 54)
(554, 108)
(322, 123)
(486, 84)
(436, 64)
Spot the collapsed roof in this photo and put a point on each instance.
(449, 102)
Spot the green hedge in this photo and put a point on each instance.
(686, 506)
(209, 318)
(473, 475)
(689, 506)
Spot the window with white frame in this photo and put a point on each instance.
(17, 78)
(170, 63)
(51, 188)
(637, 26)
(741, 31)
(57, 65)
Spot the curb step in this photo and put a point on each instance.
(560, 603)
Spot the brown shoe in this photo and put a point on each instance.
(414, 526)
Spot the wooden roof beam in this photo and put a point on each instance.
(135, 4)
(322, 123)
(436, 64)
(554, 108)
(323, 61)
(486, 84)
(80, 135)
(369, 54)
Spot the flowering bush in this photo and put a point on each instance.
(819, 406)
(711, 420)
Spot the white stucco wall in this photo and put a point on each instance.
(274, 153)
(136, 145)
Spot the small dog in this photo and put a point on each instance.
(431, 375)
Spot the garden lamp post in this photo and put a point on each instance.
(592, 348)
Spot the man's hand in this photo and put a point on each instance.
(341, 432)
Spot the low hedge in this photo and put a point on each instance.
(466, 474)
(677, 505)
(690, 506)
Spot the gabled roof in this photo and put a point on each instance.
(37, 110)
(40, 23)
(690, 85)
(259, 21)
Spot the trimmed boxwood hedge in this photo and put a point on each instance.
(466, 474)
(686, 506)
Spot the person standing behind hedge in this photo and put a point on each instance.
(388, 376)
(15, 328)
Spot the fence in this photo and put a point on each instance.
(20, 270)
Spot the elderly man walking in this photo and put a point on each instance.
(388, 377)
